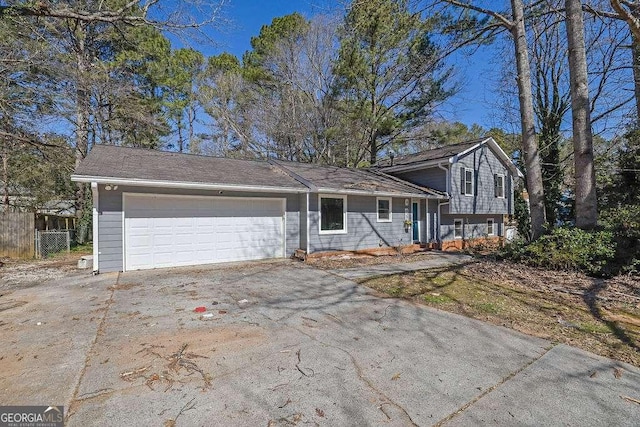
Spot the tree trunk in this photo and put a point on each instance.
(529, 142)
(83, 106)
(635, 61)
(585, 188)
(5, 176)
(180, 137)
(373, 147)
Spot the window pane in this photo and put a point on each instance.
(468, 182)
(490, 227)
(499, 186)
(331, 213)
(457, 229)
(383, 209)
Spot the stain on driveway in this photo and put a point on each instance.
(306, 347)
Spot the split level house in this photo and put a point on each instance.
(157, 209)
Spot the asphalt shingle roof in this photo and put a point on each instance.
(429, 155)
(341, 179)
(108, 161)
(137, 163)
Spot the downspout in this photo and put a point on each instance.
(310, 188)
(447, 171)
(96, 241)
(308, 225)
(440, 204)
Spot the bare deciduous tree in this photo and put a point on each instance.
(585, 186)
(516, 27)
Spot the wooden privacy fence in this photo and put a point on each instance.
(17, 235)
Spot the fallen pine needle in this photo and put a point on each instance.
(631, 399)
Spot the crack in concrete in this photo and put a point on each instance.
(363, 378)
(75, 399)
(492, 388)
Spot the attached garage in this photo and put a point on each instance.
(170, 230)
(157, 209)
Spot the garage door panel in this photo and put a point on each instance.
(178, 231)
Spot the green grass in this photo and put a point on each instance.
(488, 307)
(593, 328)
(84, 248)
(437, 299)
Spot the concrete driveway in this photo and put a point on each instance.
(308, 346)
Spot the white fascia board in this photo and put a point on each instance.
(371, 193)
(455, 158)
(411, 166)
(184, 185)
(504, 156)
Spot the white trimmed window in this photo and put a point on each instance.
(498, 186)
(457, 228)
(490, 227)
(383, 205)
(333, 214)
(466, 181)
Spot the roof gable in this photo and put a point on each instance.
(447, 154)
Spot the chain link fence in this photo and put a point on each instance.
(51, 242)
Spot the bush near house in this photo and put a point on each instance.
(611, 250)
(624, 222)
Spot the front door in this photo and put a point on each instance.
(415, 215)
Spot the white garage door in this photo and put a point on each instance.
(170, 231)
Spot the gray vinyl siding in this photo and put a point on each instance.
(474, 226)
(432, 220)
(109, 230)
(483, 201)
(110, 245)
(363, 230)
(432, 177)
(302, 201)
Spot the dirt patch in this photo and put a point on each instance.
(9, 304)
(19, 274)
(601, 316)
(123, 286)
(172, 359)
(357, 260)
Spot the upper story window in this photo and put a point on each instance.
(498, 185)
(384, 209)
(333, 214)
(466, 181)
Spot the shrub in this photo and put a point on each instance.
(568, 248)
(624, 222)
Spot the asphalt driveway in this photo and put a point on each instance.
(307, 346)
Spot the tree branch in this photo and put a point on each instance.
(628, 15)
(504, 21)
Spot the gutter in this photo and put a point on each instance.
(185, 185)
(411, 166)
(371, 193)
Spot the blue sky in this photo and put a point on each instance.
(244, 18)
